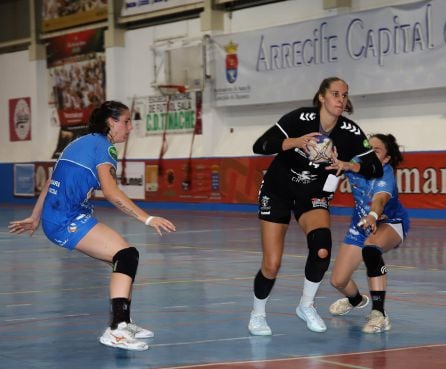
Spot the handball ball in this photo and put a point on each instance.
(322, 151)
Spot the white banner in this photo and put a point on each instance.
(383, 50)
(149, 115)
(132, 7)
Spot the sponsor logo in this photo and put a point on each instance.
(72, 228)
(265, 207)
(231, 62)
(113, 152)
(319, 203)
(384, 269)
(304, 177)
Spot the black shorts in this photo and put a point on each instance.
(277, 208)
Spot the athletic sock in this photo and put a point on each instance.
(309, 292)
(355, 300)
(378, 298)
(259, 306)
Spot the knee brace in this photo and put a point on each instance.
(373, 261)
(318, 260)
(126, 261)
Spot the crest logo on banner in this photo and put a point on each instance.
(20, 119)
(231, 62)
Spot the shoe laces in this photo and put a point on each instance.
(311, 313)
(258, 320)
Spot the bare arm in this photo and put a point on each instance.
(379, 201)
(107, 178)
(31, 223)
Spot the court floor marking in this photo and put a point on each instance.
(318, 357)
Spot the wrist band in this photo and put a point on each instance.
(148, 220)
(374, 214)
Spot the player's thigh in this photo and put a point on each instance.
(385, 237)
(102, 242)
(273, 240)
(348, 259)
(314, 219)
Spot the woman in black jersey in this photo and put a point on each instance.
(294, 184)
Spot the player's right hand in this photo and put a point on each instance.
(25, 225)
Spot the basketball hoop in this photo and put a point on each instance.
(169, 91)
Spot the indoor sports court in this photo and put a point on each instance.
(198, 83)
(194, 290)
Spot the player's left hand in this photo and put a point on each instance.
(368, 222)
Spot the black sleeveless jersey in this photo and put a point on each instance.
(291, 169)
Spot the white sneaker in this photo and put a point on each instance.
(310, 315)
(122, 338)
(258, 326)
(139, 332)
(377, 323)
(343, 306)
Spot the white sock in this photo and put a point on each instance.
(309, 293)
(258, 307)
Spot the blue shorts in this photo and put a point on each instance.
(69, 234)
(357, 236)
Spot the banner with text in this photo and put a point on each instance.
(151, 116)
(376, 51)
(421, 180)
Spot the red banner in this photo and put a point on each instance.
(421, 180)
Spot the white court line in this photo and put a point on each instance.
(209, 341)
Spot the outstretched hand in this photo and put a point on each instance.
(25, 225)
(160, 223)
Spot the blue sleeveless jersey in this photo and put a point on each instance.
(363, 191)
(75, 177)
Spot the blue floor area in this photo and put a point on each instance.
(194, 290)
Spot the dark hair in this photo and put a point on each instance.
(392, 148)
(98, 117)
(324, 86)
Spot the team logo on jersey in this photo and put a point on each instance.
(231, 62)
(265, 206)
(366, 144)
(351, 128)
(319, 203)
(72, 228)
(113, 152)
(304, 177)
(307, 116)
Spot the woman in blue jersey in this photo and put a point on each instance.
(88, 164)
(379, 224)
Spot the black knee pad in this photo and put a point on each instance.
(316, 266)
(373, 261)
(126, 261)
